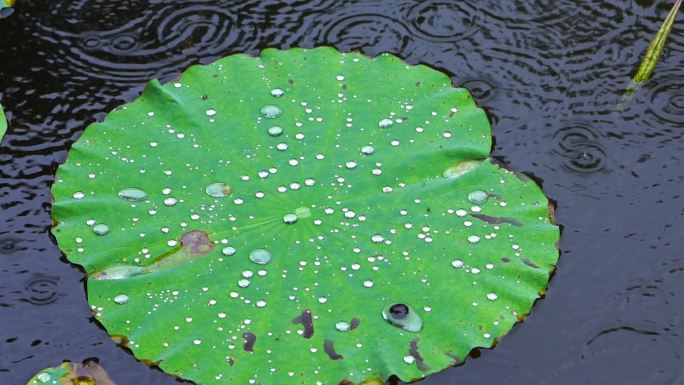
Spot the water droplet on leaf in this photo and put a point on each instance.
(121, 299)
(402, 316)
(132, 194)
(385, 123)
(277, 92)
(218, 190)
(478, 196)
(101, 229)
(228, 251)
(290, 218)
(342, 326)
(275, 131)
(271, 111)
(260, 256)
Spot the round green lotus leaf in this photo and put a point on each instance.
(302, 217)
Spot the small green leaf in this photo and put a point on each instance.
(655, 49)
(69, 373)
(3, 122)
(304, 216)
(6, 3)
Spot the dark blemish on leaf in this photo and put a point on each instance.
(307, 321)
(418, 83)
(413, 351)
(290, 81)
(529, 263)
(505, 260)
(250, 339)
(330, 350)
(454, 358)
(231, 361)
(496, 220)
(346, 382)
(196, 242)
(355, 322)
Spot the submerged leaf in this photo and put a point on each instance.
(369, 234)
(89, 373)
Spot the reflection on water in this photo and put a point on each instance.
(549, 74)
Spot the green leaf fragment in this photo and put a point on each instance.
(652, 56)
(89, 373)
(370, 236)
(6, 3)
(3, 123)
(655, 49)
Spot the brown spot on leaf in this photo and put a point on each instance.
(496, 220)
(196, 243)
(307, 321)
(355, 322)
(250, 339)
(330, 350)
(413, 350)
(530, 263)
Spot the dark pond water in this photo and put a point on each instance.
(549, 73)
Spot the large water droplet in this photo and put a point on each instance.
(271, 111)
(101, 229)
(478, 196)
(132, 194)
(402, 316)
(385, 123)
(277, 92)
(218, 190)
(275, 131)
(367, 150)
(121, 299)
(342, 326)
(290, 218)
(460, 169)
(118, 272)
(228, 251)
(260, 256)
(44, 377)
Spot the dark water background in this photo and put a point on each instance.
(548, 72)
